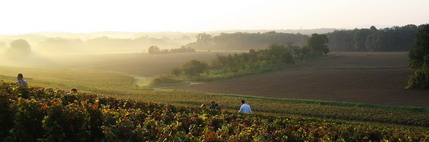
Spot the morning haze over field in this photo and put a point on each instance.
(221, 70)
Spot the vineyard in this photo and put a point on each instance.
(39, 114)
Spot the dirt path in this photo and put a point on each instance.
(375, 78)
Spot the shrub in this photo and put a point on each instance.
(164, 80)
(194, 68)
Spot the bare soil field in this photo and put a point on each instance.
(374, 78)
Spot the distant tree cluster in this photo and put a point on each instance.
(153, 50)
(18, 49)
(193, 68)
(276, 56)
(318, 43)
(156, 50)
(419, 60)
(104, 43)
(246, 41)
(372, 39)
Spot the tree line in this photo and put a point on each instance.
(246, 41)
(388, 39)
(366, 39)
(156, 50)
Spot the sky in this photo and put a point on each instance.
(86, 16)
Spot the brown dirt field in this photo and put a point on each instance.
(374, 78)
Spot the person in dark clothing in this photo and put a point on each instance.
(215, 105)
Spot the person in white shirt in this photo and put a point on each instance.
(245, 108)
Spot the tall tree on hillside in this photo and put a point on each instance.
(153, 50)
(18, 49)
(419, 59)
(318, 43)
(194, 68)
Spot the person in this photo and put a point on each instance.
(215, 105)
(73, 91)
(245, 108)
(21, 80)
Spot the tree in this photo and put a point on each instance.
(359, 39)
(203, 38)
(176, 71)
(194, 68)
(373, 28)
(373, 39)
(318, 43)
(153, 50)
(19, 48)
(419, 59)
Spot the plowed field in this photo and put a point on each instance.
(374, 78)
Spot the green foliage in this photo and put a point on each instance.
(318, 43)
(7, 113)
(66, 122)
(420, 79)
(254, 61)
(61, 117)
(28, 120)
(246, 41)
(194, 68)
(420, 50)
(164, 80)
(419, 60)
(373, 39)
(176, 71)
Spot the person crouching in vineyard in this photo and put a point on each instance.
(245, 108)
(72, 91)
(215, 105)
(21, 80)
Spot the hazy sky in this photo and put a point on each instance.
(22, 16)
